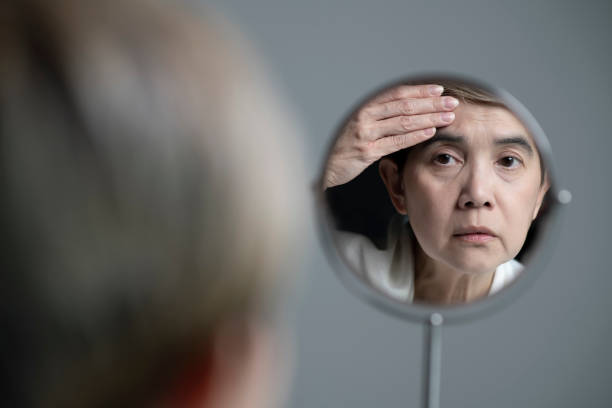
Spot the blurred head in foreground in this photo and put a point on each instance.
(146, 211)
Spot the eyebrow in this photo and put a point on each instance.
(515, 140)
(518, 140)
(439, 138)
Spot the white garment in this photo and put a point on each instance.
(391, 270)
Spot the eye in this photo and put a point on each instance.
(510, 162)
(444, 159)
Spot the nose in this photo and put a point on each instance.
(477, 188)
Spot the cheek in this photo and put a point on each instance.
(518, 208)
(429, 207)
(427, 194)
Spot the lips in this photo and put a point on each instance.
(474, 234)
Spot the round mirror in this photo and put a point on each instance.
(438, 195)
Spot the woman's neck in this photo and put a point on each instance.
(438, 283)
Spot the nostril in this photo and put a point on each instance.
(473, 204)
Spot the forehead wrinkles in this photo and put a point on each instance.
(482, 124)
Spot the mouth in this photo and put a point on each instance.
(474, 234)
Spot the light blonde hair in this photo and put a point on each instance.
(147, 195)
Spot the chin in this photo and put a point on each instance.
(474, 268)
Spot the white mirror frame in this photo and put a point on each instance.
(450, 314)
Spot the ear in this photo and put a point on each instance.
(233, 371)
(541, 194)
(191, 384)
(389, 172)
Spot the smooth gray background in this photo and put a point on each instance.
(551, 347)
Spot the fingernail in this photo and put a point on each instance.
(447, 117)
(436, 90)
(430, 131)
(450, 102)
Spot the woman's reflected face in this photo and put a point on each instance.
(472, 191)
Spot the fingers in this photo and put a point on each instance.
(408, 91)
(411, 107)
(406, 124)
(392, 144)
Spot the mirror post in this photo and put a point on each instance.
(365, 223)
(433, 362)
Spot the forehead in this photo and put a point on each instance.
(481, 123)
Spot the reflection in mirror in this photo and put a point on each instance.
(435, 191)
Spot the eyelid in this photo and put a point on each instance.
(513, 156)
(514, 153)
(439, 153)
(445, 149)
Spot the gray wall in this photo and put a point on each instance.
(550, 348)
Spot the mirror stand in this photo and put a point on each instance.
(358, 220)
(433, 361)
